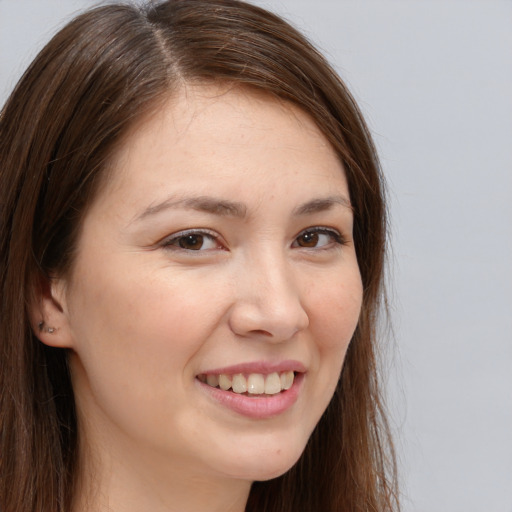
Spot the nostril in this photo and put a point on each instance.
(261, 332)
(271, 319)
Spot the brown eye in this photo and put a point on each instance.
(318, 238)
(198, 241)
(308, 239)
(192, 242)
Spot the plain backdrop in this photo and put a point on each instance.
(434, 79)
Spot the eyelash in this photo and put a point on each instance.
(172, 243)
(335, 235)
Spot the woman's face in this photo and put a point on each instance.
(218, 258)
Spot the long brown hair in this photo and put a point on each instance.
(73, 106)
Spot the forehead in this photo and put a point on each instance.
(208, 111)
(215, 136)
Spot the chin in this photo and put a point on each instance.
(265, 471)
(268, 462)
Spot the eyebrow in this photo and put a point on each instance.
(322, 205)
(227, 208)
(201, 203)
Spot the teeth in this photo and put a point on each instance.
(224, 382)
(286, 380)
(212, 380)
(239, 384)
(273, 384)
(254, 384)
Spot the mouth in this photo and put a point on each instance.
(253, 384)
(257, 390)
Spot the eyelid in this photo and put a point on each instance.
(336, 234)
(168, 241)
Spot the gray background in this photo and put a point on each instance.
(434, 79)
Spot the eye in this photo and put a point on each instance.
(318, 237)
(192, 241)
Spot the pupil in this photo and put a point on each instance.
(194, 242)
(309, 239)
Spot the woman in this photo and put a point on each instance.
(192, 234)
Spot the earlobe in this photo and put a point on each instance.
(48, 314)
(42, 327)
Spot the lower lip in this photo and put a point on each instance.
(258, 407)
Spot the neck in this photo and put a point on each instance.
(136, 482)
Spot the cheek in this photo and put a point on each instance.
(134, 341)
(123, 326)
(334, 307)
(140, 307)
(335, 311)
(139, 326)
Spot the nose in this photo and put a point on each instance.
(268, 302)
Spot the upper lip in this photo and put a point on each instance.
(264, 367)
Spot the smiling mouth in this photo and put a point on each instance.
(251, 384)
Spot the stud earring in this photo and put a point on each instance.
(49, 330)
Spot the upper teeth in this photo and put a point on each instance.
(254, 383)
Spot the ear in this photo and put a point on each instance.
(48, 313)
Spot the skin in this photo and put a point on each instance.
(143, 316)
